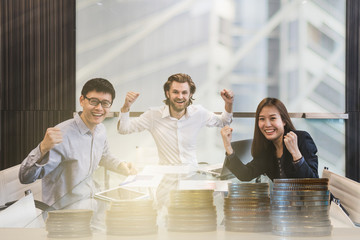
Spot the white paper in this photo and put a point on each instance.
(20, 214)
(338, 217)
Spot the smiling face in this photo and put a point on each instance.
(179, 95)
(271, 124)
(93, 115)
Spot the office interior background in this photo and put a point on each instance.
(304, 52)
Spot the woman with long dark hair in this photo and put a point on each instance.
(278, 149)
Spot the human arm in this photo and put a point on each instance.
(234, 164)
(216, 120)
(228, 97)
(307, 165)
(129, 100)
(226, 134)
(249, 171)
(291, 143)
(33, 166)
(125, 124)
(112, 163)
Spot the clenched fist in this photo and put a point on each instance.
(52, 137)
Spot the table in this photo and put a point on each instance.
(163, 234)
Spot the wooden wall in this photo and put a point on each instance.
(37, 83)
(352, 168)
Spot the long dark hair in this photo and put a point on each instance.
(261, 146)
(181, 78)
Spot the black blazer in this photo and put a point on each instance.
(268, 165)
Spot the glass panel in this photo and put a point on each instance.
(328, 135)
(292, 50)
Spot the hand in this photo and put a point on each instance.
(226, 133)
(126, 169)
(129, 100)
(227, 95)
(290, 140)
(52, 137)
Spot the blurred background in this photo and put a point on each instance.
(293, 50)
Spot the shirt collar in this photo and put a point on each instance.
(81, 125)
(166, 112)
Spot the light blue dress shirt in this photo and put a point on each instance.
(66, 170)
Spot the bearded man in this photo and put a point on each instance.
(175, 126)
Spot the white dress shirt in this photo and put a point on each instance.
(175, 138)
(66, 170)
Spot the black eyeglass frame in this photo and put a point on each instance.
(98, 101)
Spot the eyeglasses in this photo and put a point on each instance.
(95, 102)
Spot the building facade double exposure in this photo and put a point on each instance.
(293, 50)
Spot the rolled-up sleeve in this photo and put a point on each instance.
(126, 125)
(30, 170)
(219, 120)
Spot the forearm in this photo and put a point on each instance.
(228, 107)
(30, 170)
(309, 167)
(304, 170)
(126, 125)
(125, 109)
(241, 171)
(123, 125)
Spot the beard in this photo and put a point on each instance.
(174, 107)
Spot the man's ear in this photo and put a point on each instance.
(81, 100)
(167, 94)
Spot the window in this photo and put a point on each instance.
(292, 50)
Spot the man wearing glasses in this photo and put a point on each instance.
(71, 151)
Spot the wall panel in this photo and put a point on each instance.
(37, 83)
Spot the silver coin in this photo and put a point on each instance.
(303, 229)
(68, 229)
(302, 180)
(255, 228)
(69, 235)
(300, 193)
(299, 203)
(125, 232)
(299, 198)
(248, 185)
(296, 225)
(248, 218)
(171, 228)
(299, 208)
(187, 211)
(290, 213)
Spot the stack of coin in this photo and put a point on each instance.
(191, 211)
(247, 207)
(131, 217)
(300, 207)
(71, 223)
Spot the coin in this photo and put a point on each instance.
(131, 217)
(247, 207)
(300, 207)
(191, 210)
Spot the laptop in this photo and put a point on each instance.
(242, 149)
